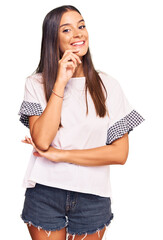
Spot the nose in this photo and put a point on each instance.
(77, 33)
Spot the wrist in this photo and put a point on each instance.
(64, 156)
(58, 89)
(59, 84)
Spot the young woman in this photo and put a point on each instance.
(79, 121)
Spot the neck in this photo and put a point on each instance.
(79, 71)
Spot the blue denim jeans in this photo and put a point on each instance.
(52, 209)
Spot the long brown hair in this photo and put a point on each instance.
(50, 55)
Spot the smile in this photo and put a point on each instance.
(78, 43)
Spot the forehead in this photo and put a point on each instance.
(70, 17)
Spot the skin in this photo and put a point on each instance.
(61, 235)
(44, 128)
(72, 29)
(116, 153)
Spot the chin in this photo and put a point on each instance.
(81, 53)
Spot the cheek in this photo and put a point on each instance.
(86, 34)
(87, 37)
(87, 42)
(64, 43)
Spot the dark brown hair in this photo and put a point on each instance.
(50, 55)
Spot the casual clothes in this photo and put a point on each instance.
(79, 131)
(52, 209)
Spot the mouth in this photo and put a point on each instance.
(78, 44)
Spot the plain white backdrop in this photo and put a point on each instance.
(126, 41)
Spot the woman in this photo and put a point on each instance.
(79, 121)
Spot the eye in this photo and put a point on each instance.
(82, 26)
(66, 30)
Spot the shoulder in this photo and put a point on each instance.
(34, 89)
(35, 78)
(110, 82)
(34, 83)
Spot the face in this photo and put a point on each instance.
(73, 34)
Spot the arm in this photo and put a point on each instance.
(115, 153)
(44, 128)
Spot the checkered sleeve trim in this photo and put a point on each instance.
(125, 125)
(29, 109)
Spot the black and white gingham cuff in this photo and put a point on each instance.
(29, 109)
(125, 125)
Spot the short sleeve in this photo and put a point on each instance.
(32, 102)
(123, 118)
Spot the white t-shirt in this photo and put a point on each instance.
(79, 131)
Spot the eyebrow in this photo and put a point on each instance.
(66, 24)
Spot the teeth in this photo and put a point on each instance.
(79, 43)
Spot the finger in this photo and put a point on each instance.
(29, 141)
(70, 54)
(25, 141)
(26, 137)
(32, 143)
(67, 52)
(36, 154)
(68, 62)
(70, 65)
(77, 58)
(70, 51)
(38, 150)
(69, 58)
(72, 60)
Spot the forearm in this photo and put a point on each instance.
(105, 155)
(115, 153)
(46, 126)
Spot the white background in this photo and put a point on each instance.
(126, 42)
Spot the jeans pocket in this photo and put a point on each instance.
(93, 197)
